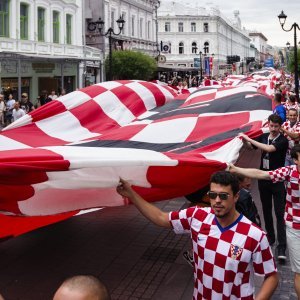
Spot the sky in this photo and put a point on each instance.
(261, 15)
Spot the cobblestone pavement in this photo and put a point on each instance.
(135, 259)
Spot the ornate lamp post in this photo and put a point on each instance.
(98, 25)
(282, 18)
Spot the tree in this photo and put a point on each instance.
(131, 65)
(291, 64)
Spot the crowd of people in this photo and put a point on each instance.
(12, 110)
(228, 245)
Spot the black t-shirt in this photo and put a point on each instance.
(276, 158)
(26, 106)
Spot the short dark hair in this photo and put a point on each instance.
(295, 151)
(226, 178)
(277, 97)
(275, 119)
(292, 98)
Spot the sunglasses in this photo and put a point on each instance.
(214, 195)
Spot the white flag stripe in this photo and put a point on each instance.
(144, 93)
(114, 108)
(25, 120)
(73, 99)
(170, 131)
(82, 157)
(65, 126)
(10, 144)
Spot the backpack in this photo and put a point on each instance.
(246, 206)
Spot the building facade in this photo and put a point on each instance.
(42, 46)
(140, 27)
(260, 43)
(185, 29)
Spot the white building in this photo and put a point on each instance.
(186, 28)
(260, 43)
(41, 46)
(139, 33)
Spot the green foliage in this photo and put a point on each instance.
(291, 64)
(131, 65)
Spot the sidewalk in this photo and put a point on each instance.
(135, 259)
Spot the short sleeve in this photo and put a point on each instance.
(181, 220)
(280, 174)
(281, 144)
(263, 260)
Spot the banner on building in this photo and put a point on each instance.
(207, 65)
(269, 62)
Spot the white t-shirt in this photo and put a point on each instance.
(17, 114)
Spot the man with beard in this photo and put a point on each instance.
(274, 147)
(291, 130)
(228, 248)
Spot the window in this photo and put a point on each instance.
(205, 27)
(132, 25)
(141, 27)
(180, 27)
(206, 47)
(69, 29)
(41, 24)
(194, 47)
(193, 27)
(167, 27)
(23, 21)
(55, 27)
(4, 16)
(181, 48)
(148, 30)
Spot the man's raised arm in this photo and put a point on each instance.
(151, 212)
(249, 172)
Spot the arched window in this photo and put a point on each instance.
(181, 48)
(206, 47)
(194, 47)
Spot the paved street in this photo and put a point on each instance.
(135, 259)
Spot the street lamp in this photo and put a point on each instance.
(282, 18)
(99, 25)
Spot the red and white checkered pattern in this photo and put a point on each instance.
(225, 260)
(295, 129)
(69, 154)
(291, 175)
(288, 106)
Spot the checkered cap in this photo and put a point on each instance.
(291, 175)
(225, 258)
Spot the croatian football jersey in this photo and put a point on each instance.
(225, 258)
(295, 129)
(291, 175)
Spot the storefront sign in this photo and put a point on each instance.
(43, 67)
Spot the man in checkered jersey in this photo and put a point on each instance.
(227, 247)
(291, 129)
(290, 174)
